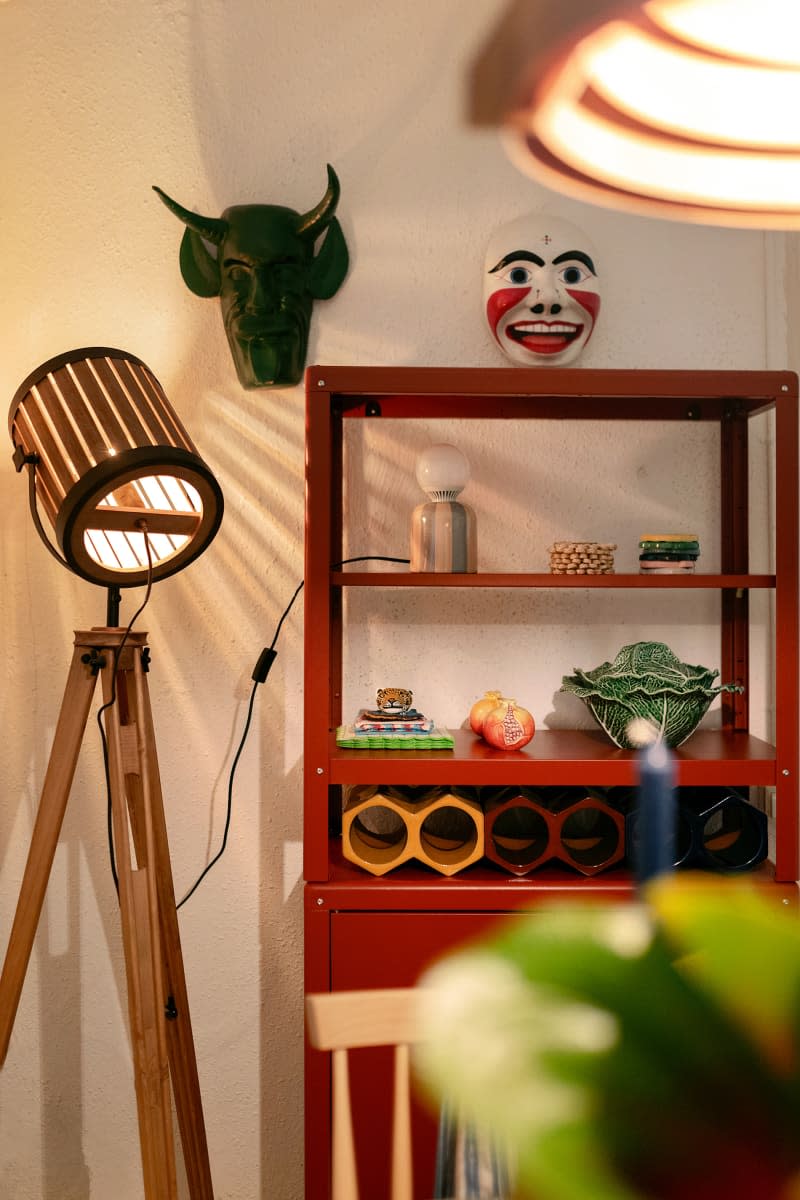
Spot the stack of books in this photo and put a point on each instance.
(668, 553)
(374, 730)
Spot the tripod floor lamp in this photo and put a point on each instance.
(130, 501)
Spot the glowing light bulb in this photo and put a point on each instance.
(442, 471)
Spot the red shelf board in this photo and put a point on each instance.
(558, 393)
(426, 579)
(479, 888)
(558, 757)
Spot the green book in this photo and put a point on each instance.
(436, 739)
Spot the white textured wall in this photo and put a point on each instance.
(230, 103)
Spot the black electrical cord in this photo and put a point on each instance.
(112, 701)
(259, 675)
(31, 461)
(229, 811)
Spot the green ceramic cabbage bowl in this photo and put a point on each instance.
(647, 681)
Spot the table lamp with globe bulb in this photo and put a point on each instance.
(443, 532)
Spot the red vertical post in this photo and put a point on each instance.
(317, 1062)
(734, 554)
(336, 548)
(786, 634)
(317, 626)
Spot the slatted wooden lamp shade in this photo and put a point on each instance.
(680, 109)
(112, 468)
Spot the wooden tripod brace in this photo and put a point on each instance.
(158, 1006)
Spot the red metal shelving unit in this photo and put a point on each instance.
(367, 931)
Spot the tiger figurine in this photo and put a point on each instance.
(394, 700)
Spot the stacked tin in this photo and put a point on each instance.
(668, 553)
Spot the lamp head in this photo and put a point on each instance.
(681, 109)
(112, 468)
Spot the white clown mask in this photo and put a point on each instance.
(540, 290)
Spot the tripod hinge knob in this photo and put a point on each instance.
(94, 660)
(170, 1011)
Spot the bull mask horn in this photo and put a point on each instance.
(213, 229)
(312, 223)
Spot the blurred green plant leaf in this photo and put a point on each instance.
(742, 948)
(622, 1049)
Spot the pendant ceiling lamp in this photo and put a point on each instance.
(112, 469)
(681, 109)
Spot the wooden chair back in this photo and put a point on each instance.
(341, 1021)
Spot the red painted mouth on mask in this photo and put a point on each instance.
(543, 337)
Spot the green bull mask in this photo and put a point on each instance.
(267, 276)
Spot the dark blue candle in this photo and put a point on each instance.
(656, 812)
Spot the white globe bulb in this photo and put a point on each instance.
(442, 471)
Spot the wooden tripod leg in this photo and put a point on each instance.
(147, 813)
(138, 897)
(49, 818)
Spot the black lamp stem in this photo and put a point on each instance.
(113, 598)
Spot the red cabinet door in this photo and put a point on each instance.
(374, 950)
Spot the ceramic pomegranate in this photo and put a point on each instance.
(481, 708)
(508, 726)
